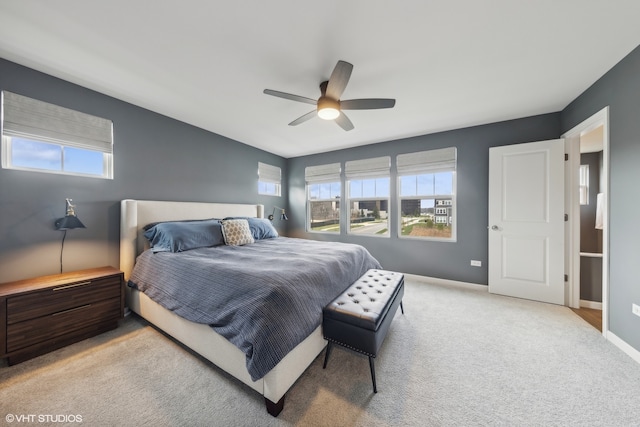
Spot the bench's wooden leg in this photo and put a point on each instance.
(373, 374)
(274, 408)
(326, 355)
(401, 307)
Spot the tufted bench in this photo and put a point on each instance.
(360, 317)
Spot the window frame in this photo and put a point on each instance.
(269, 175)
(310, 201)
(368, 169)
(30, 120)
(8, 162)
(435, 161)
(583, 183)
(319, 175)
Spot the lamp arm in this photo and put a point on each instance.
(272, 216)
(70, 210)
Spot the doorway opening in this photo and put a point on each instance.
(587, 232)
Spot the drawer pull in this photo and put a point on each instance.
(74, 285)
(71, 309)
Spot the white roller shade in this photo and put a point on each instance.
(269, 173)
(368, 168)
(29, 118)
(431, 161)
(322, 173)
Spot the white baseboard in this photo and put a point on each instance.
(622, 345)
(446, 282)
(590, 304)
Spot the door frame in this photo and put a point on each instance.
(572, 204)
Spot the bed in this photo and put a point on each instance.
(216, 345)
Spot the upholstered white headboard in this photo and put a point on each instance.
(135, 214)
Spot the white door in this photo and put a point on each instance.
(526, 221)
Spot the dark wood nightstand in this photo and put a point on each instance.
(43, 314)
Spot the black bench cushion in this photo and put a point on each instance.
(366, 302)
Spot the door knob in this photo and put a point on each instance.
(495, 227)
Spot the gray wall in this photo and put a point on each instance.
(448, 260)
(155, 158)
(591, 278)
(620, 90)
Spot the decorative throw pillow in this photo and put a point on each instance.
(236, 232)
(261, 228)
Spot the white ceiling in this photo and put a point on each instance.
(448, 64)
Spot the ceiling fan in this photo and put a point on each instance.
(329, 106)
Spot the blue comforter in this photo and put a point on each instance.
(265, 298)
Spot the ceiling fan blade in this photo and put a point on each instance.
(304, 118)
(290, 96)
(344, 122)
(339, 79)
(367, 104)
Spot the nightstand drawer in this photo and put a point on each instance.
(60, 298)
(24, 334)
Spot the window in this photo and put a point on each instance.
(584, 184)
(323, 198)
(368, 199)
(269, 179)
(426, 194)
(42, 137)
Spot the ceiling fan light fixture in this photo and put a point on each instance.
(328, 109)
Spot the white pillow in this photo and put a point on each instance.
(237, 232)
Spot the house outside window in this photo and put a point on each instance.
(368, 185)
(42, 137)
(426, 193)
(323, 198)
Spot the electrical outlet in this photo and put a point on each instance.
(635, 309)
(476, 263)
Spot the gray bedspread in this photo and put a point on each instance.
(265, 298)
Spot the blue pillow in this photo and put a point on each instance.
(261, 228)
(179, 236)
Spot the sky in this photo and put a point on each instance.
(54, 157)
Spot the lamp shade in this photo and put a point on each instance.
(69, 222)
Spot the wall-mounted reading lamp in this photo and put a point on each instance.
(69, 222)
(283, 215)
